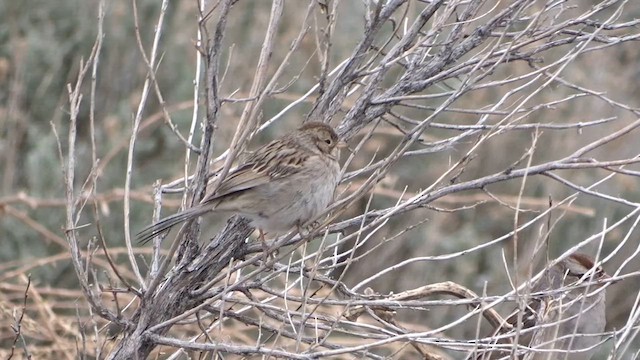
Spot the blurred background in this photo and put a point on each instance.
(42, 45)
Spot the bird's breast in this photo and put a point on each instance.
(297, 199)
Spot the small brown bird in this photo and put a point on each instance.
(560, 325)
(281, 185)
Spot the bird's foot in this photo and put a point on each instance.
(306, 230)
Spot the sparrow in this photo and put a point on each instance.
(561, 324)
(282, 185)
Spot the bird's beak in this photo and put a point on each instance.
(343, 145)
(605, 278)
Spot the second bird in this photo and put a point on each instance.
(565, 325)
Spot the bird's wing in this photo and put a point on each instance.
(275, 160)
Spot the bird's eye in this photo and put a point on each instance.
(574, 274)
(328, 141)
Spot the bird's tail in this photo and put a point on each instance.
(167, 223)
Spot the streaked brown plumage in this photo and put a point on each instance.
(281, 185)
